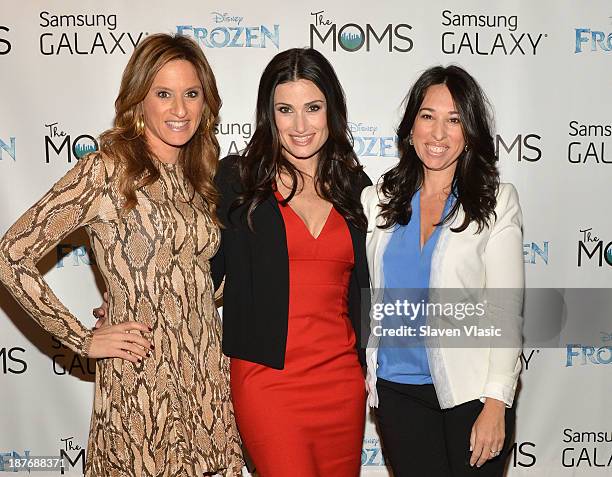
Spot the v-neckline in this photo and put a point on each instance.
(299, 217)
(435, 229)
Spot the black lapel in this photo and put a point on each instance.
(271, 201)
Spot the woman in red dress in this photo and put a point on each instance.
(293, 257)
(308, 418)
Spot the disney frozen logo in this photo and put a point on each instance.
(230, 32)
(226, 18)
(367, 143)
(361, 128)
(592, 40)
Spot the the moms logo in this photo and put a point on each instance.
(597, 40)
(5, 45)
(58, 143)
(523, 454)
(367, 143)
(523, 147)
(72, 453)
(8, 148)
(231, 33)
(11, 360)
(353, 37)
(591, 247)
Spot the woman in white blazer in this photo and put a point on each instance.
(439, 220)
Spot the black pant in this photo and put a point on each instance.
(421, 440)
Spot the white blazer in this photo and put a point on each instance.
(465, 260)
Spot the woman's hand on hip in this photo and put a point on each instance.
(123, 340)
(488, 432)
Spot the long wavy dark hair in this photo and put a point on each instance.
(338, 167)
(476, 178)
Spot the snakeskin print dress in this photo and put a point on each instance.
(171, 414)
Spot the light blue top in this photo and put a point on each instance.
(406, 269)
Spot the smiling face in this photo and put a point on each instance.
(300, 114)
(173, 109)
(437, 133)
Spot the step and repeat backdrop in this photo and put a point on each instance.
(546, 67)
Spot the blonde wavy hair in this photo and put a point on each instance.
(126, 142)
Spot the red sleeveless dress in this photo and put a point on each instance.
(308, 418)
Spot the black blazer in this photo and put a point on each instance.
(256, 270)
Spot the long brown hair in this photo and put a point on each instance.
(125, 141)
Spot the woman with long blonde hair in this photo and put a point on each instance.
(147, 200)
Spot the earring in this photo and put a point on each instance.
(466, 148)
(410, 141)
(140, 126)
